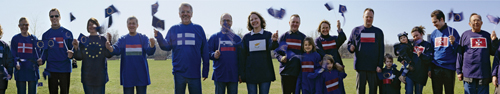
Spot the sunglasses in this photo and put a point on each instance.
(54, 16)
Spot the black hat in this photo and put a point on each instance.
(402, 34)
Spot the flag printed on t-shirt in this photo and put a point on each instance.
(24, 48)
(441, 42)
(257, 45)
(368, 37)
(133, 49)
(59, 40)
(479, 42)
(329, 44)
(332, 85)
(418, 48)
(307, 66)
(186, 39)
(293, 43)
(226, 46)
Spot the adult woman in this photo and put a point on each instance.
(328, 44)
(5, 64)
(422, 56)
(25, 54)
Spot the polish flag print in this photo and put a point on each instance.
(441, 42)
(60, 41)
(307, 66)
(368, 37)
(329, 44)
(332, 85)
(479, 42)
(293, 43)
(418, 48)
(24, 48)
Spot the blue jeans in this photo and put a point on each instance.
(94, 89)
(130, 90)
(475, 88)
(193, 84)
(21, 87)
(263, 88)
(220, 87)
(411, 87)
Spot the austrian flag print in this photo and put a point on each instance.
(329, 45)
(24, 48)
(368, 37)
(332, 85)
(307, 66)
(293, 43)
(479, 42)
(441, 42)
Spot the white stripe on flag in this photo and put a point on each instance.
(331, 44)
(190, 42)
(179, 42)
(307, 66)
(1, 55)
(332, 85)
(133, 49)
(293, 43)
(189, 35)
(179, 35)
(368, 35)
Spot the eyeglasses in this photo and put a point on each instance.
(24, 24)
(52, 16)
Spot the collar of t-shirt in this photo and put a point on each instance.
(444, 27)
(260, 32)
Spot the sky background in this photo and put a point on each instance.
(392, 16)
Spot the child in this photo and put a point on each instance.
(330, 82)
(390, 84)
(404, 52)
(310, 62)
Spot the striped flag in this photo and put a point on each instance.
(133, 49)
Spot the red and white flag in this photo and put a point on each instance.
(368, 37)
(332, 85)
(307, 66)
(418, 49)
(329, 44)
(293, 43)
(441, 42)
(24, 48)
(479, 42)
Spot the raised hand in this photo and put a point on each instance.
(452, 39)
(338, 25)
(109, 36)
(156, 32)
(109, 47)
(339, 67)
(275, 36)
(493, 35)
(152, 42)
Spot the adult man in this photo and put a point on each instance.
(367, 43)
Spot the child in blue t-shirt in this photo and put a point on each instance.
(330, 81)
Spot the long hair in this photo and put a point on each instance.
(311, 42)
(262, 21)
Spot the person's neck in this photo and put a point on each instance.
(56, 26)
(25, 34)
(368, 26)
(257, 30)
(186, 23)
(476, 30)
(94, 33)
(294, 31)
(132, 33)
(388, 67)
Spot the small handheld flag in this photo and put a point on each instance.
(493, 19)
(458, 17)
(329, 6)
(154, 8)
(450, 15)
(110, 10)
(71, 17)
(278, 14)
(84, 40)
(342, 10)
(157, 23)
(110, 22)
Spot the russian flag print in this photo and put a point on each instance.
(226, 46)
(441, 42)
(329, 44)
(307, 66)
(133, 49)
(293, 43)
(59, 40)
(24, 48)
(479, 42)
(332, 85)
(368, 37)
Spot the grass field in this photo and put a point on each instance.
(162, 81)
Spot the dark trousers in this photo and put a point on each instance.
(288, 84)
(442, 77)
(362, 78)
(59, 80)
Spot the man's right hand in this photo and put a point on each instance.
(459, 76)
(352, 48)
(283, 59)
(495, 81)
(39, 61)
(217, 54)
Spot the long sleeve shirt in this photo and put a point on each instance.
(6, 61)
(24, 50)
(328, 44)
(56, 55)
(256, 65)
(93, 54)
(421, 63)
(289, 44)
(226, 66)
(445, 53)
(474, 52)
(308, 75)
(369, 48)
(331, 82)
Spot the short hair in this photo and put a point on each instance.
(311, 42)
(225, 14)
(1, 32)
(473, 15)
(262, 21)
(185, 4)
(55, 9)
(419, 29)
(324, 21)
(388, 56)
(92, 20)
(295, 15)
(438, 14)
(329, 58)
(369, 9)
(23, 19)
(133, 17)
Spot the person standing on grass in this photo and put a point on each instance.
(189, 46)
(25, 52)
(367, 44)
(6, 64)
(224, 53)
(421, 57)
(473, 61)
(444, 40)
(133, 48)
(328, 44)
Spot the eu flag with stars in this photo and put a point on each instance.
(457, 17)
(342, 9)
(84, 40)
(154, 8)
(493, 19)
(279, 14)
(157, 23)
(110, 10)
(42, 44)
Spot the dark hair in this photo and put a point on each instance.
(388, 56)
(473, 15)
(369, 9)
(311, 42)
(324, 21)
(55, 9)
(420, 29)
(262, 21)
(295, 15)
(438, 14)
(94, 21)
(329, 58)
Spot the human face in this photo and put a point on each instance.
(24, 26)
(185, 13)
(368, 18)
(330, 65)
(132, 25)
(91, 27)
(403, 39)
(388, 62)
(294, 23)
(325, 29)
(255, 21)
(475, 23)
(416, 35)
(54, 18)
(307, 46)
(438, 23)
(226, 18)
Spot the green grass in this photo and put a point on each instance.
(162, 80)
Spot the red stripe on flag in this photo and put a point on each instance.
(329, 47)
(227, 48)
(308, 69)
(293, 47)
(133, 46)
(294, 40)
(371, 40)
(328, 42)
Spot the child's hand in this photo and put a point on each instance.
(339, 67)
(283, 59)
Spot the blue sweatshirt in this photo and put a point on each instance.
(93, 54)
(289, 43)
(134, 70)
(421, 64)
(56, 55)
(189, 45)
(369, 48)
(6, 61)
(24, 50)
(474, 54)
(226, 67)
(256, 65)
(307, 77)
(331, 82)
(390, 82)
(445, 53)
(496, 65)
(330, 45)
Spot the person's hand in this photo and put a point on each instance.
(352, 48)
(339, 67)
(18, 66)
(275, 36)
(493, 35)
(152, 42)
(283, 59)
(495, 81)
(204, 78)
(109, 37)
(419, 53)
(459, 76)
(70, 53)
(217, 54)
(39, 61)
(452, 39)
(109, 47)
(156, 32)
(75, 44)
(379, 70)
(338, 25)
(402, 79)
(239, 78)
(429, 74)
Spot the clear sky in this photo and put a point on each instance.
(392, 16)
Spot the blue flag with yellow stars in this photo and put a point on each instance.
(493, 19)
(342, 10)
(329, 6)
(42, 44)
(84, 40)
(71, 17)
(457, 17)
(110, 10)
(278, 14)
(157, 23)
(154, 8)
(110, 22)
